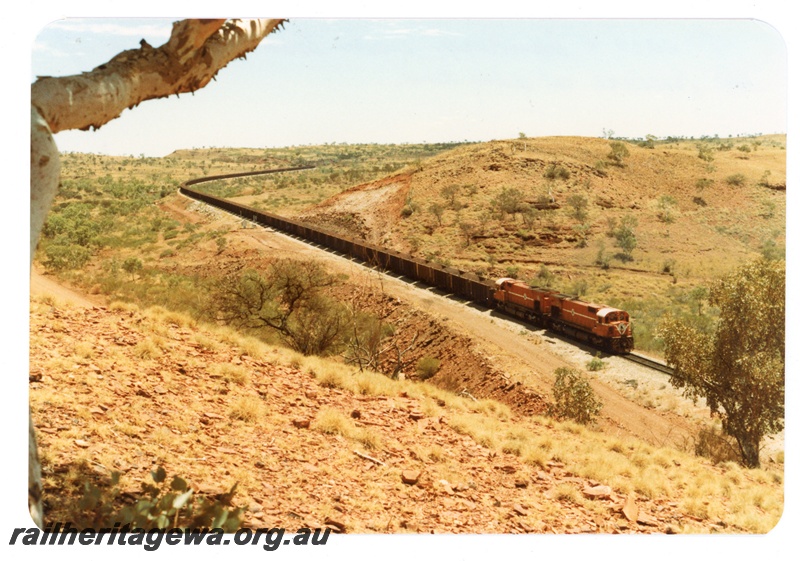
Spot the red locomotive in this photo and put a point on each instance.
(601, 326)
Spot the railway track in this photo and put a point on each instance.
(648, 362)
(459, 283)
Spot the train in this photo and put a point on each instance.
(606, 328)
(599, 325)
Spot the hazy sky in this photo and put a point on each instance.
(425, 80)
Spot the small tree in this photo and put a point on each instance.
(618, 153)
(579, 204)
(625, 236)
(132, 265)
(574, 397)
(288, 299)
(509, 201)
(450, 192)
(738, 369)
(437, 210)
(666, 208)
(427, 367)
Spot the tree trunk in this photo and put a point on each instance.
(196, 51)
(749, 446)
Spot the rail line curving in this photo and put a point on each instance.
(466, 285)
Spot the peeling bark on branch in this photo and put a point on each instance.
(195, 52)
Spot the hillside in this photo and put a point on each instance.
(313, 443)
(699, 209)
(142, 374)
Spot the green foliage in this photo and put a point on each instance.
(602, 260)
(579, 288)
(287, 299)
(703, 182)
(573, 397)
(437, 211)
(626, 237)
(427, 367)
(601, 168)
(530, 214)
(595, 364)
(666, 208)
(619, 151)
(554, 171)
(509, 201)
(771, 251)
(172, 505)
(132, 265)
(649, 142)
(704, 153)
(450, 192)
(735, 180)
(579, 204)
(544, 277)
(61, 257)
(739, 367)
(582, 231)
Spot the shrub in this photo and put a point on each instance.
(132, 265)
(715, 445)
(601, 168)
(595, 364)
(735, 180)
(173, 505)
(62, 257)
(574, 397)
(704, 153)
(666, 208)
(703, 182)
(544, 277)
(427, 367)
(556, 172)
(579, 204)
(618, 153)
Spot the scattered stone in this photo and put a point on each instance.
(82, 443)
(336, 525)
(646, 519)
(410, 477)
(519, 509)
(631, 509)
(301, 423)
(355, 414)
(597, 492)
(521, 484)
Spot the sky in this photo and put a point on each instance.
(397, 80)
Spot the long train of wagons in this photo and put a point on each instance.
(602, 326)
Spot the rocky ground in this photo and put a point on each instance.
(105, 407)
